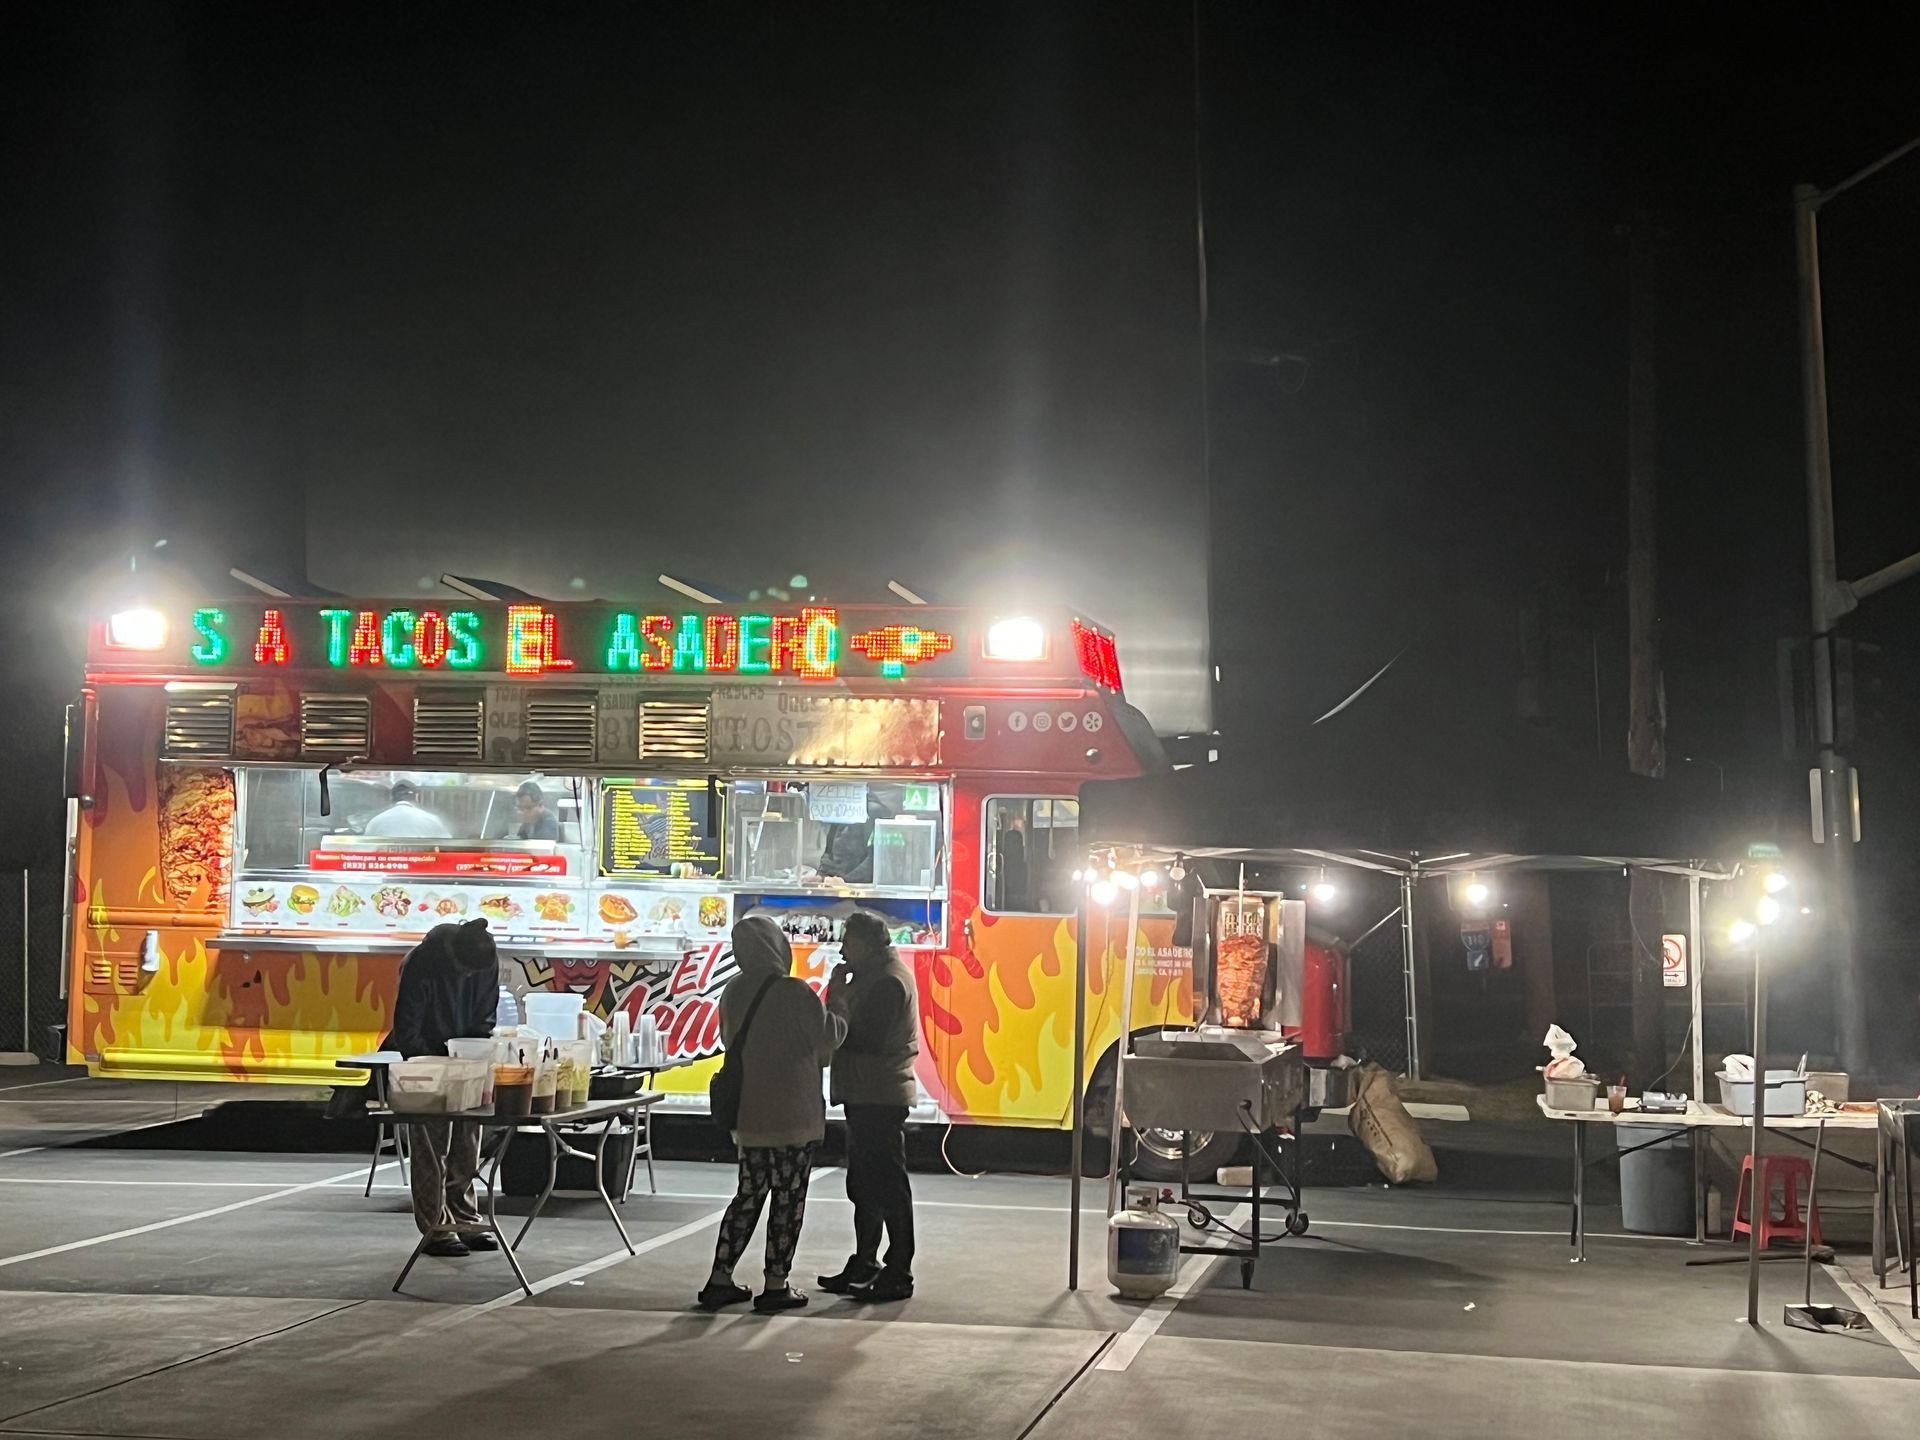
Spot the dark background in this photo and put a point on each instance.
(866, 292)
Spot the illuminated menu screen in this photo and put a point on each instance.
(657, 827)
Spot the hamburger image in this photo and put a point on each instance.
(302, 898)
(258, 900)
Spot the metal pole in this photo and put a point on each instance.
(1836, 817)
(1116, 1125)
(1697, 980)
(26, 964)
(1756, 1193)
(1079, 1087)
(1408, 979)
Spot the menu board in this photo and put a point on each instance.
(657, 828)
(406, 909)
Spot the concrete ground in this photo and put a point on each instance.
(180, 1293)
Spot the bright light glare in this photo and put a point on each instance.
(1325, 892)
(1150, 878)
(1741, 931)
(1019, 637)
(141, 629)
(1767, 911)
(1477, 893)
(1104, 892)
(1776, 882)
(1125, 880)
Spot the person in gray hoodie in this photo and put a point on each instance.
(783, 1116)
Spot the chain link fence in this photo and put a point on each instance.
(30, 920)
(1376, 989)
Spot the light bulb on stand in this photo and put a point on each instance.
(1767, 910)
(1104, 892)
(1741, 931)
(1775, 882)
(1477, 892)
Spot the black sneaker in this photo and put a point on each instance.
(716, 1296)
(480, 1240)
(891, 1286)
(449, 1247)
(772, 1302)
(856, 1272)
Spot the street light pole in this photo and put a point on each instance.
(1835, 775)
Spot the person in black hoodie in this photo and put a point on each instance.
(449, 990)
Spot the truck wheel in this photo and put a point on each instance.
(1154, 1154)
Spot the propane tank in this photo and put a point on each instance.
(1143, 1248)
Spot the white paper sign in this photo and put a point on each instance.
(837, 802)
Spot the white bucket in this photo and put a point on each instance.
(554, 1015)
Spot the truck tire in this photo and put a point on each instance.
(1154, 1154)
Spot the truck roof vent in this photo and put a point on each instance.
(673, 730)
(449, 725)
(199, 719)
(563, 727)
(337, 726)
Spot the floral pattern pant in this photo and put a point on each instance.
(782, 1174)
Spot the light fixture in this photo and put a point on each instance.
(1103, 892)
(1016, 638)
(1741, 931)
(1150, 878)
(1324, 891)
(1077, 874)
(141, 628)
(1767, 910)
(1125, 880)
(1477, 891)
(1775, 882)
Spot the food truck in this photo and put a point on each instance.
(275, 798)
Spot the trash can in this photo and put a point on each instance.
(1656, 1179)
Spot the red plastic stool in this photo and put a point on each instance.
(1790, 1170)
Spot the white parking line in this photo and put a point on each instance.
(38, 1084)
(128, 1234)
(152, 1184)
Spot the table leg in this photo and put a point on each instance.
(493, 1218)
(1580, 1190)
(553, 1178)
(1913, 1259)
(600, 1182)
(1880, 1204)
(1695, 1134)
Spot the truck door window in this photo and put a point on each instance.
(1033, 845)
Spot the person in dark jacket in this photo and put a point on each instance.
(449, 990)
(873, 1083)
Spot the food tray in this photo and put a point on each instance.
(1577, 1093)
(616, 1085)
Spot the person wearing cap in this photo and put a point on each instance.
(449, 990)
(787, 1041)
(406, 818)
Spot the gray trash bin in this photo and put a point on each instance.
(1656, 1179)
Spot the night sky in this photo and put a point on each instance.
(872, 292)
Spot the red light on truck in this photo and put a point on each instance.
(1099, 656)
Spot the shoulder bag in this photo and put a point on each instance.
(723, 1091)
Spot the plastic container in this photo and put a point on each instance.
(555, 1015)
(1656, 1179)
(512, 1089)
(546, 1078)
(486, 1051)
(1575, 1094)
(576, 1074)
(506, 1014)
(1786, 1093)
(436, 1086)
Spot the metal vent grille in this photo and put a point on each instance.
(673, 730)
(449, 727)
(109, 976)
(200, 722)
(562, 727)
(336, 725)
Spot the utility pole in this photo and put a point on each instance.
(1647, 709)
(1837, 815)
(1834, 778)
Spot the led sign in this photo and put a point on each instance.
(807, 643)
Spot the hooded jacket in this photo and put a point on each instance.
(792, 1039)
(449, 990)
